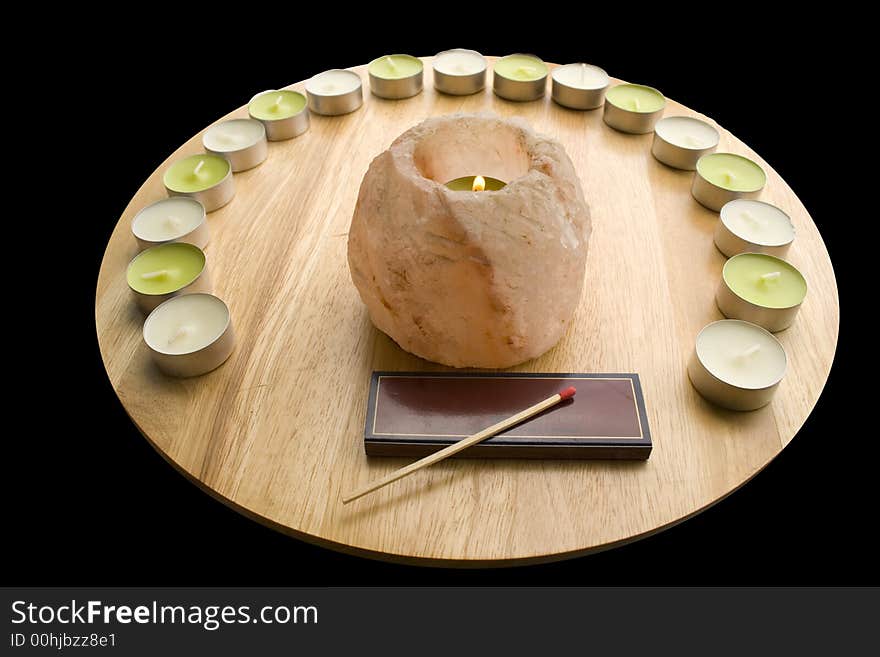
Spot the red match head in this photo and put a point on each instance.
(568, 393)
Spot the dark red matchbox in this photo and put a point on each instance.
(415, 414)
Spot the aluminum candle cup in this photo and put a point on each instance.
(241, 141)
(737, 365)
(335, 92)
(724, 177)
(679, 141)
(579, 86)
(748, 226)
(190, 335)
(520, 77)
(282, 112)
(459, 72)
(633, 108)
(396, 76)
(175, 219)
(761, 289)
(165, 271)
(206, 177)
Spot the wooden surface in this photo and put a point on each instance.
(277, 432)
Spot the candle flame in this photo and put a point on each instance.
(479, 184)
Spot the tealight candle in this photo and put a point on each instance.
(189, 335)
(579, 86)
(680, 141)
(161, 272)
(749, 226)
(633, 108)
(241, 141)
(175, 219)
(335, 92)
(520, 77)
(204, 177)
(282, 112)
(396, 76)
(459, 72)
(723, 177)
(761, 289)
(476, 184)
(737, 365)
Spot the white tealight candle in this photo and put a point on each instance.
(459, 72)
(679, 141)
(579, 86)
(334, 92)
(750, 226)
(175, 219)
(190, 334)
(737, 365)
(241, 141)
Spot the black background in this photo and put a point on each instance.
(89, 502)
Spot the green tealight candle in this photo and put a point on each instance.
(732, 172)
(196, 173)
(165, 268)
(395, 67)
(635, 98)
(521, 67)
(765, 280)
(466, 184)
(275, 105)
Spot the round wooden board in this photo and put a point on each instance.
(277, 432)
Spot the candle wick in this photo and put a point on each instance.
(748, 216)
(172, 222)
(278, 100)
(153, 275)
(198, 167)
(583, 73)
(691, 141)
(526, 69)
(636, 104)
(179, 333)
(751, 351)
(770, 276)
(728, 177)
(391, 63)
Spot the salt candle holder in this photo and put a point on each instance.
(282, 112)
(175, 219)
(737, 365)
(165, 271)
(396, 76)
(190, 335)
(680, 141)
(520, 77)
(206, 177)
(579, 86)
(723, 177)
(335, 92)
(748, 226)
(459, 72)
(241, 141)
(633, 108)
(761, 289)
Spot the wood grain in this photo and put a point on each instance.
(261, 434)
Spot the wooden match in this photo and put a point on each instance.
(462, 444)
